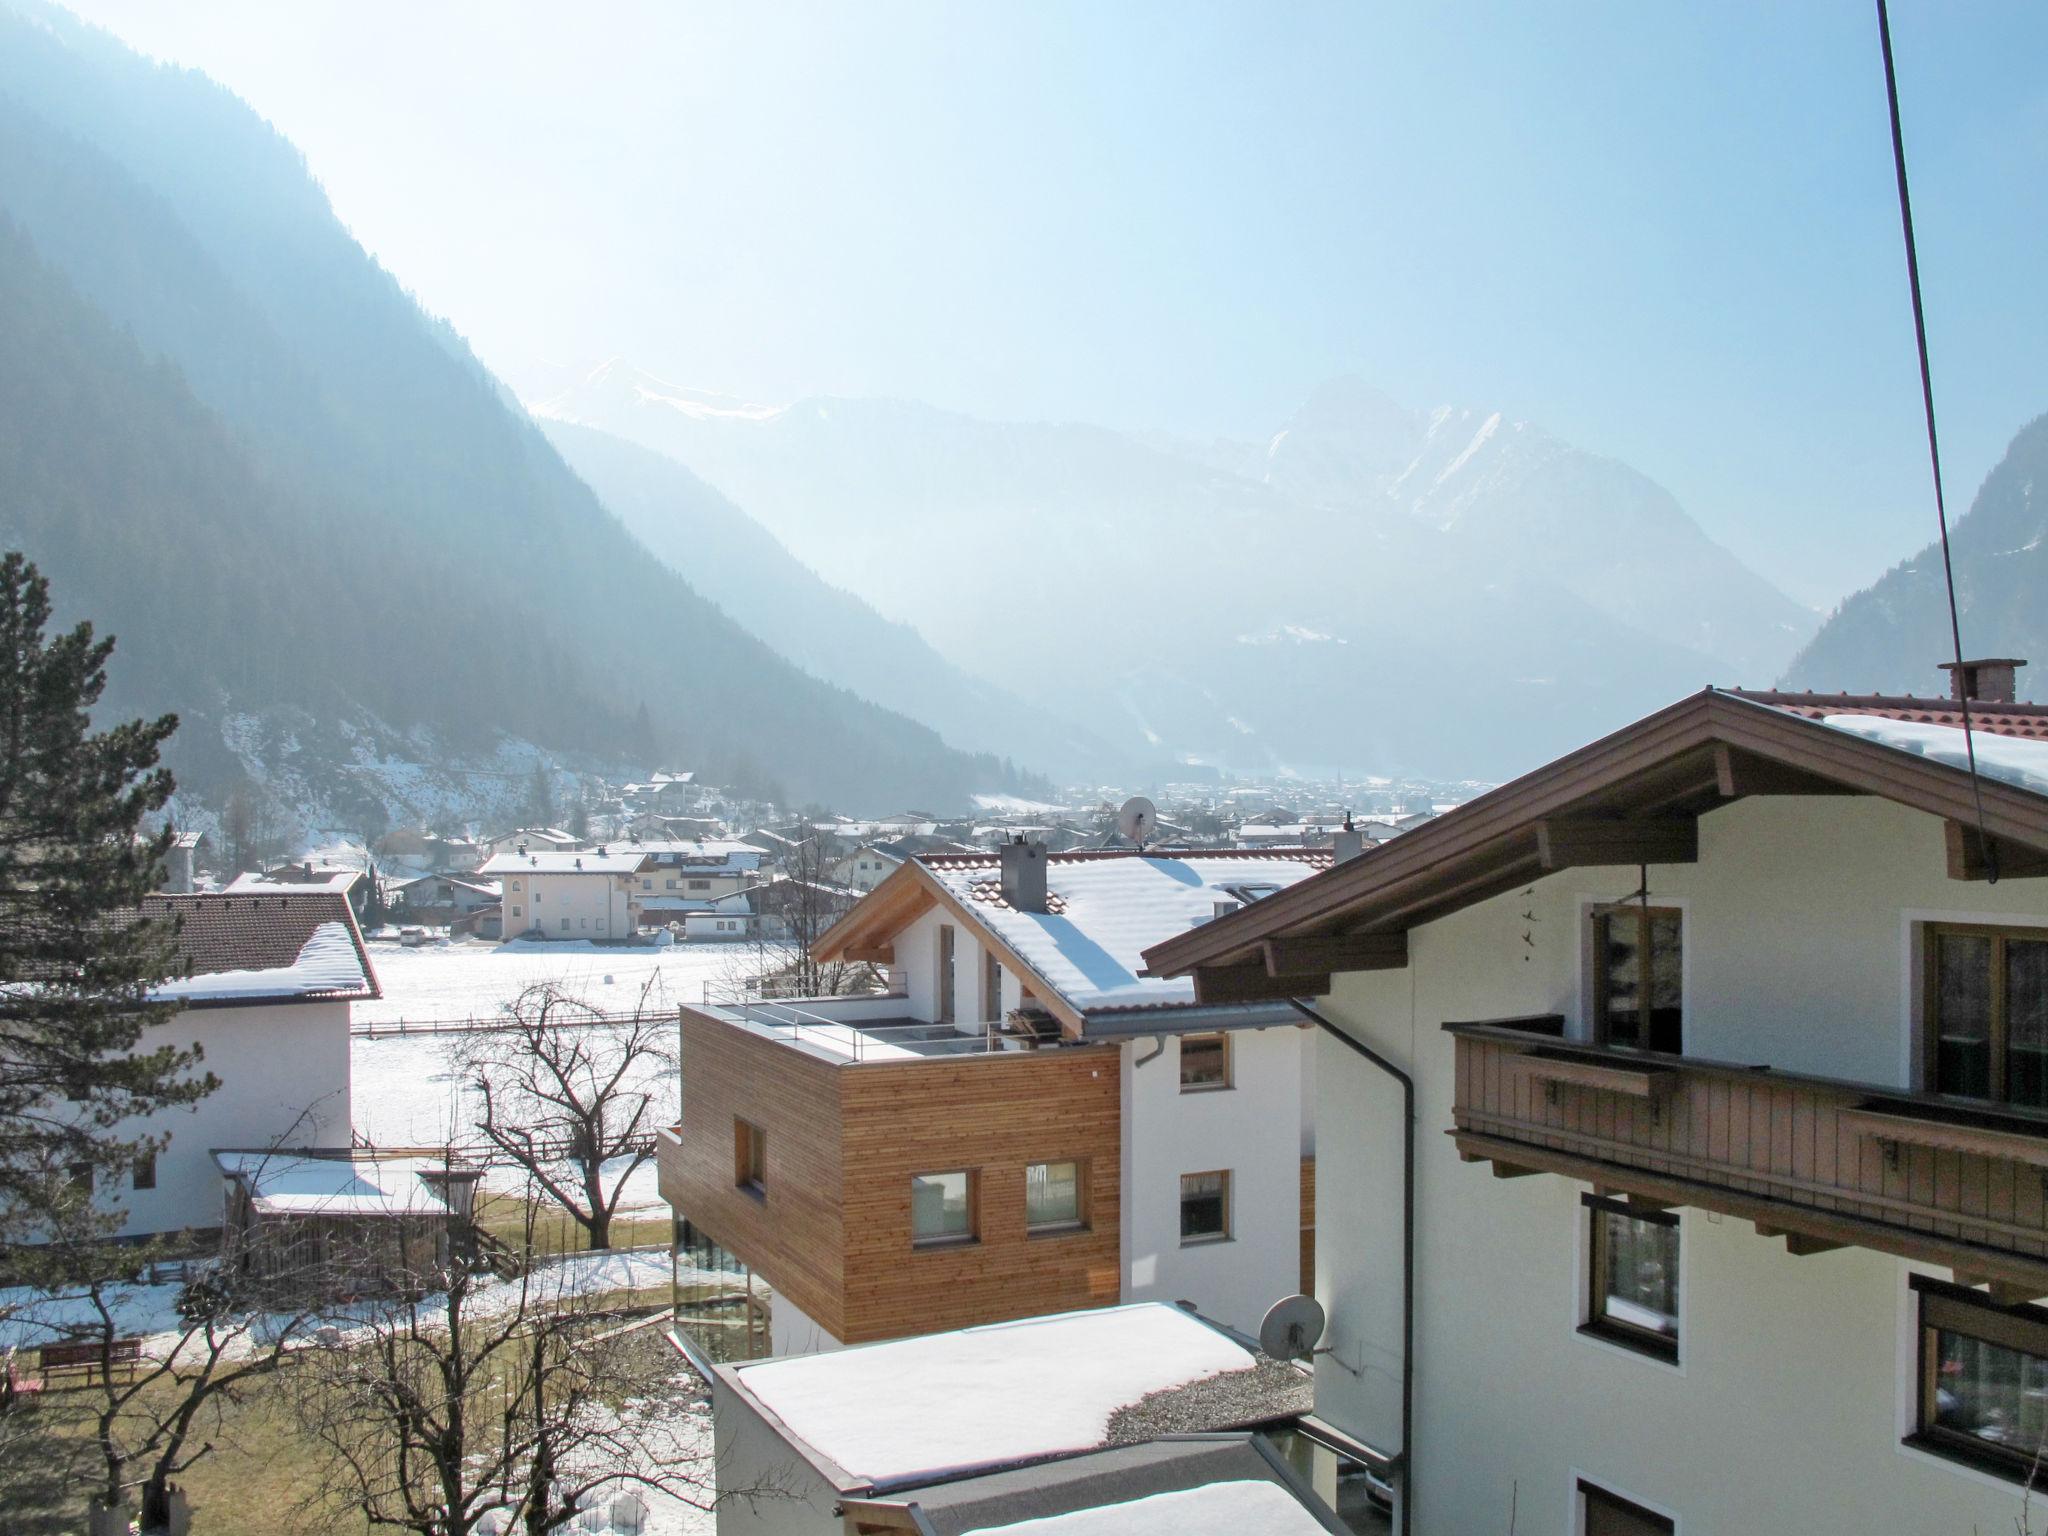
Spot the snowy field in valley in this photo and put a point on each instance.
(410, 1090)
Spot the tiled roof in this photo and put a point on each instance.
(261, 932)
(2028, 721)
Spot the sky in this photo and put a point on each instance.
(1665, 233)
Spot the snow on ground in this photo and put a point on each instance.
(981, 1396)
(410, 1090)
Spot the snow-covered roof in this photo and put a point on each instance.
(291, 1183)
(986, 1396)
(296, 877)
(2016, 760)
(1107, 909)
(703, 850)
(588, 862)
(1215, 1509)
(329, 964)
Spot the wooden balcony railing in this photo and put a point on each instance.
(1823, 1163)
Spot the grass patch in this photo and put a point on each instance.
(504, 1216)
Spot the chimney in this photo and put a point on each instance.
(1987, 680)
(1024, 875)
(1347, 843)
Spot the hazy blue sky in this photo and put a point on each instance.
(1665, 232)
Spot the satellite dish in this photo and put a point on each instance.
(1292, 1327)
(1137, 820)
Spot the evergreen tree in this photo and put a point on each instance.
(76, 963)
(540, 797)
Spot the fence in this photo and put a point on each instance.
(500, 1023)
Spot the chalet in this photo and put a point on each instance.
(532, 840)
(1022, 1124)
(443, 898)
(700, 870)
(1683, 1107)
(866, 867)
(267, 985)
(1139, 1420)
(352, 884)
(579, 896)
(667, 793)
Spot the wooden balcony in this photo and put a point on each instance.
(1821, 1162)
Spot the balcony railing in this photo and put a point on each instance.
(870, 1027)
(1822, 1162)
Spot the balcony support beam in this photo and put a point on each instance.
(1967, 861)
(1567, 842)
(1738, 773)
(1254, 984)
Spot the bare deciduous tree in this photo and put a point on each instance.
(489, 1404)
(568, 1096)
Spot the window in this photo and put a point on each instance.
(586, 922)
(1983, 1379)
(1052, 1197)
(516, 909)
(145, 1171)
(646, 885)
(945, 976)
(669, 885)
(1987, 1013)
(697, 885)
(1204, 1207)
(1638, 977)
(942, 1208)
(991, 985)
(565, 925)
(78, 1178)
(1632, 1268)
(749, 1157)
(515, 885)
(1602, 1513)
(1204, 1062)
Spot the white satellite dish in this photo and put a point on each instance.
(1292, 1326)
(1137, 820)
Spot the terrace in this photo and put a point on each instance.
(871, 1027)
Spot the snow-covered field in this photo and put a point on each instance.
(410, 1090)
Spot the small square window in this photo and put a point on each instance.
(1204, 1062)
(942, 1208)
(1052, 1197)
(750, 1157)
(516, 909)
(1632, 1265)
(1204, 1207)
(565, 925)
(145, 1171)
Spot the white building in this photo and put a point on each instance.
(864, 868)
(267, 994)
(1730, 1112)
(532, 840)
(578, 896)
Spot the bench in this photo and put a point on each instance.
(86, 1360)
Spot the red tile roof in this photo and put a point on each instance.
(2023, 720)
(258, 932)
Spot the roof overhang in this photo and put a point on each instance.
(1634, 797)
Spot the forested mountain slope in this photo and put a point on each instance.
(1891, 637)
(379, 536)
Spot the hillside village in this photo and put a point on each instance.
(603, 957)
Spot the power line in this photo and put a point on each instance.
(1948, 570)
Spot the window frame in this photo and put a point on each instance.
(1645, 913)
(1229, 1078)
(948, 1239)
(1078, 1222)
(1587, 1492)
(1203, 1239)
(945, 981)
(749, 1157)
(1594, 1323)
(1931, 934)
(143, 1172)
(2022, 1328)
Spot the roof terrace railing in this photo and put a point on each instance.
(862, 1041)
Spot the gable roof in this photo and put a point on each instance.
(1704, 751)
(259, 948)
(588, 862)
(1082, 957)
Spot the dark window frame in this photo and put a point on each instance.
(2023, 1328)
(1591, 1493)
(1999, 1043)
(749, 1158)
(144, 1171)
(1225, 1195)
(1227, 1080)
(1645, 916)
(946, 949)
(942, 1240)
(1078, 1222)
(1596, 1323)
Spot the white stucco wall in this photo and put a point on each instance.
(1795, 1378)
(1252, 1129)
(765, 1488)
(917, 958)
(284, 1081)
(594, 906)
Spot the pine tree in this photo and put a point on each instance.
(540, 797)
(76, 963)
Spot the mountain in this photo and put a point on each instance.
(1890, 637)
(372, 542)
(825, 629)
(1441, 593)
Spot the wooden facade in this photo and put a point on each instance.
(830, 1229)
(1821, 1162)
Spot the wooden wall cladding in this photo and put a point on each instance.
(832, 1230)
